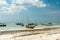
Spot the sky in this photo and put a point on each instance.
(29, 10)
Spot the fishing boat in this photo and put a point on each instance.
(2, 25)
(49, 24)
(20, 24)
(30, 25)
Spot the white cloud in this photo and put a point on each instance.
(3, 3)
(19, 1)
(14, 8)
(36, 3)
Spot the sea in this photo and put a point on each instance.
(13, 26)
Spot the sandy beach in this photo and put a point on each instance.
(32, 34)
(29, 19)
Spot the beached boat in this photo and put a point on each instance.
(2, 25)
(30, 25)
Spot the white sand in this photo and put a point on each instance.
(47, 35)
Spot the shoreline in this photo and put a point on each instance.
(31, 34)
(27, 30)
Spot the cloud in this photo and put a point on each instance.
(3, 3)
(36, 3)
(18, 5)
(11, 9)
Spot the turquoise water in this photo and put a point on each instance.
(13, 26)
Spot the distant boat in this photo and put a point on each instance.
(20, 24)
(30, 25)
(2, 25)
(48, 24)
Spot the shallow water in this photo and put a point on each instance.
(13, 26)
